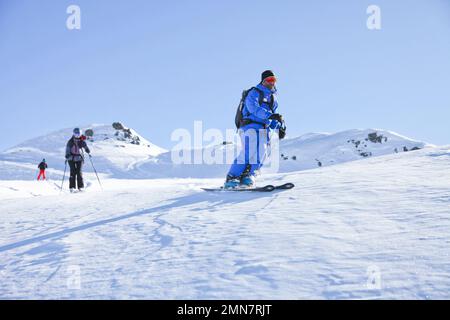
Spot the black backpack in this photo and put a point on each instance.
(238, 119)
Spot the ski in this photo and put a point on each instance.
(285, 186)
(266, 188)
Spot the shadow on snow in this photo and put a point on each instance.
(214, 200)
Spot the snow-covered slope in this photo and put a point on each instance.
(324, 149)
(371, 229)
(123, 153)
(305, 152)
(115, 147)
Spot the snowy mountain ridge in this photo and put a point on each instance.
(116, 149)
(120, 152)
(305, 152)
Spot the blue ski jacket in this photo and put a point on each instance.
(252, 110)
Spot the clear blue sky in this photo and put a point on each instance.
(160, 65)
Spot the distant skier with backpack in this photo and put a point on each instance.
(42, 166)
(74, 156)
(255, 118)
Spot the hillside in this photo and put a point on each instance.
(362, 230)
(116, 149)
(120, 152)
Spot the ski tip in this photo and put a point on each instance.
(288, 185)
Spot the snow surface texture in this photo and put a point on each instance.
(368, 229)
(124, 153)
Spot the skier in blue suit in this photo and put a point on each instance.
(259, 118)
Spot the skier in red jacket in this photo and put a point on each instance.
(42, 166)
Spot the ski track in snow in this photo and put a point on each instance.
(167, 239)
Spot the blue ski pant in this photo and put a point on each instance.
(253, 152)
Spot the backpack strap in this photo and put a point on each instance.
(261, 98)
(260, 101)
(272, 102)
(246, 93)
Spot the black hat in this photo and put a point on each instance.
(266, 74)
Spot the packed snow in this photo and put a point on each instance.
(374, 228)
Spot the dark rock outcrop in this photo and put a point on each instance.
(125, 134)
(118, 126)
(375, 138)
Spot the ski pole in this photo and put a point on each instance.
(98, 179)
(64, 175)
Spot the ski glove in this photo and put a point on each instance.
(282, 132)
(276, 116)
